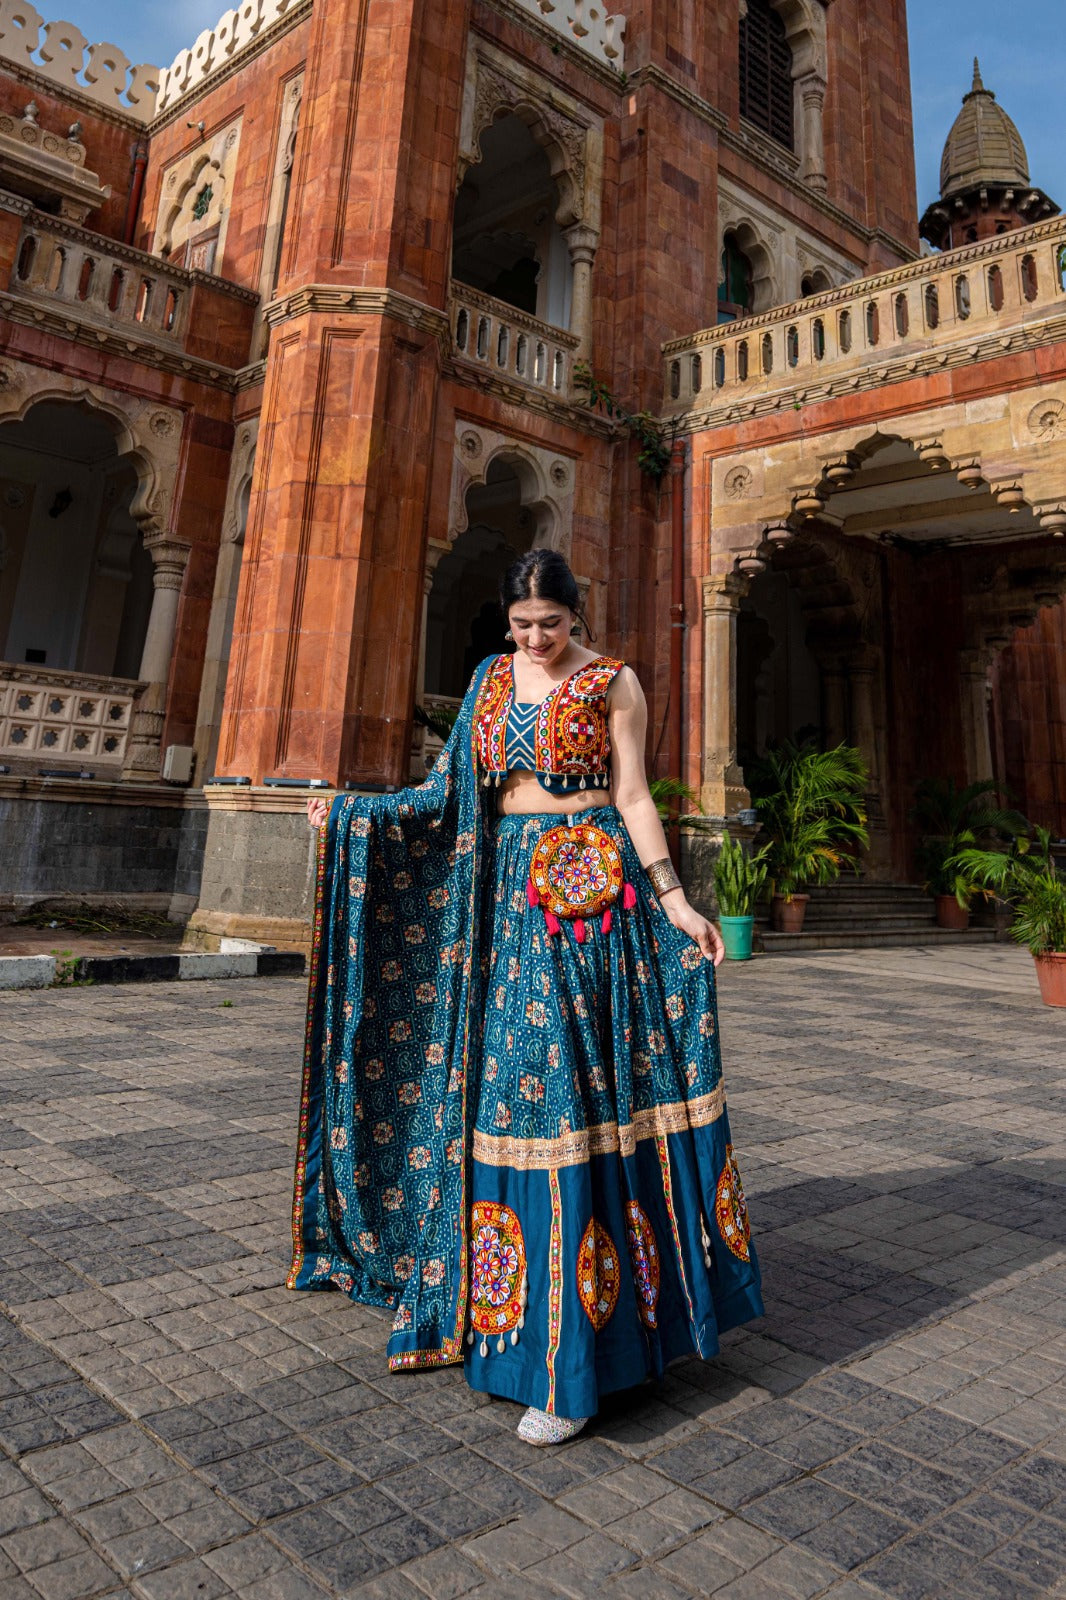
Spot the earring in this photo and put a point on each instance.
(509, 635)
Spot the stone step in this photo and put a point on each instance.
(783, 944)
(864, 912)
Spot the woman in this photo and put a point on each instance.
(513, 1131)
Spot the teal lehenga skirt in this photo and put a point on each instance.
(608, 1230)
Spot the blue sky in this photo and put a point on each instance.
(1023, 58)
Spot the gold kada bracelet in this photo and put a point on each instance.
(662, 877)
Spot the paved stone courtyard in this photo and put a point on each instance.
(174, 1425)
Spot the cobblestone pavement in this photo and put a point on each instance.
(174, 1425)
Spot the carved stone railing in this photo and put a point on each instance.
(61, 53)
(584, 23)
(106, 284)
(64, 718)
(509, 344)
(934, 312)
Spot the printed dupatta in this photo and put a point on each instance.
(379, 1204)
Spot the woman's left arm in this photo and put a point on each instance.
(627, 716)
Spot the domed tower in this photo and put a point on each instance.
(984, 177)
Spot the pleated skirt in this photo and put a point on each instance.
(609, 1229)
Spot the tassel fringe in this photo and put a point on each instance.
(629, 897)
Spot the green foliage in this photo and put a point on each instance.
(1026, 877)
(812, 805)
(739, 877)
(67, 971)
(951, 819)
(654, 437)
(438, 719)
(664, 790)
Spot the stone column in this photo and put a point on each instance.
(169, 559)
(834, 706)
(973, 690)
(864, 735)
(722, 791)
(581, 242)
(812, 104)
(434, 551)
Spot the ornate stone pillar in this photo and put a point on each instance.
(812, 105)
(581, 242)
(974, 692)
(722, 791)
(169, 559)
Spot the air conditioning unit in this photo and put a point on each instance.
(177, 763)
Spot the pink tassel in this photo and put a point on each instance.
(605, 922)
(629, 897)
(579, 930)
(551, 922)
(532, 897)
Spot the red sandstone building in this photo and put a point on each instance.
(293, 335)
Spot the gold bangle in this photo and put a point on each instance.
(662, 877)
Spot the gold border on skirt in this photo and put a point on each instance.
(572, 1149)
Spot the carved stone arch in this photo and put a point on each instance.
(762, 250)
(571, 137)
(805, 30)
(208, 164)
(545, 477)
(147, 434)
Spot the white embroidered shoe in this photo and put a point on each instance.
(540, 1427)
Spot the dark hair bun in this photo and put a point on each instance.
(540, 575)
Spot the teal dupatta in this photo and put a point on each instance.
(380, 1195)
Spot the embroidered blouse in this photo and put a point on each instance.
(563, 738)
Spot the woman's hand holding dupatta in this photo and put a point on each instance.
(317, 812)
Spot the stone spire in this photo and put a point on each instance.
(984, 176)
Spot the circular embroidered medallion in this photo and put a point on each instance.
(730, 1208)
(498, 1266)
(644, 1257)
(597, 1275)
(577, 871)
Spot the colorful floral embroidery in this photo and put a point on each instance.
(730, 1208)
(577, 872)
(498, 1269)
(570, 733)
(644, 1257)
(555, 1283)
(598, 1275)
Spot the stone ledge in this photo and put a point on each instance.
(39, 972)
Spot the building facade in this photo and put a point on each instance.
(297, 339)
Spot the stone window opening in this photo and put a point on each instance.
(792, 347)
(818, 339)
(766, 93)
(902, 316)
(962, 297)
(995, 288)
(844, 332)
(873, 323)
(932, 306)
(507, 240)
(742, 289)
(1030, 286)
(817, 281)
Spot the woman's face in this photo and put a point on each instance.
(541, 629)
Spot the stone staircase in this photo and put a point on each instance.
(855, 915)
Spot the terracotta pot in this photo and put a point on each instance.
(949, 914)
(1051, 975)
(786, 916)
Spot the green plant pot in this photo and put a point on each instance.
(736, 936)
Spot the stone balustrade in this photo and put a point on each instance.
(584, 23)
(64, 718)
(61, 53)
(931, 313)
(106, 283)
(509, 344)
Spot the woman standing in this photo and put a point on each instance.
(513, 1130)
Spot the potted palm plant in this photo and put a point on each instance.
(739, 879)
(951, 819)
(1026, 876)
(811, 804)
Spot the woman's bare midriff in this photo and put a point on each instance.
(522, 796)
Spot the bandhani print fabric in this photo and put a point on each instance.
(510, 1139)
